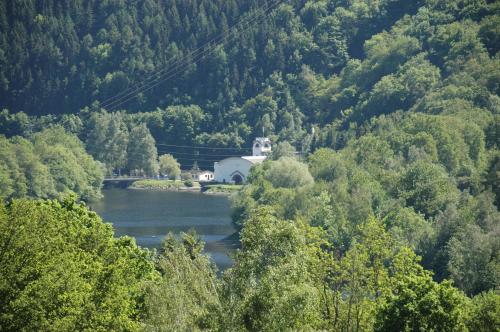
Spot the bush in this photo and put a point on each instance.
(283, 149)
(186, 176)
(289, 173)
(156, 184)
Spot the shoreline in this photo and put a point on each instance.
(217, 193)
(165, 189)
(185, 189)
(179, 186)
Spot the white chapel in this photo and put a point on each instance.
(235, 169)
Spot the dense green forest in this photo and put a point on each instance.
(68, 54)
(387, 219)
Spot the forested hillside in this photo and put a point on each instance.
(287, 68)
(388, 217)
(69, 54)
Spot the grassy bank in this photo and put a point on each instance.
(152, 184)
(163, 185)
(222, 188)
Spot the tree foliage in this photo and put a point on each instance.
(287, 172)
(51, 164)
(63, 270)
(142, 153)
(169, 166)
(185, 298)
(394, 105)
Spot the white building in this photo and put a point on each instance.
(261, 147)
(205, 176)
(236, 169)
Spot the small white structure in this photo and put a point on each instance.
(205, 176)
(261, 146)
(235, 169)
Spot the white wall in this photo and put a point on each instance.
(206, 176)
(225, 168)
(261, 147)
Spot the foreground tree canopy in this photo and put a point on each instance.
(62, 270)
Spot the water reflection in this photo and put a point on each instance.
(150, 215)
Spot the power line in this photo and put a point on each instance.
(197, 154)
(199, 160)
(202, 147)
(151, 76)
(210, 49)
(184, 165)
(190, 159)
(184, 63)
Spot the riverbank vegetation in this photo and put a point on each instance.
(169, 166)
(153, 184)
(49, 164)
(379, 209)
(62, 268)
(156, 184)
(221, 188)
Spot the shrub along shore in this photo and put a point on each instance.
(167, 185)
(178, 185)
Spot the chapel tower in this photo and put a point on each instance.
(261, 146)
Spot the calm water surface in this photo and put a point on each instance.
(150, 215)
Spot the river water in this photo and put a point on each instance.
(150, 215)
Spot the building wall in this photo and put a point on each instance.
(225, 169)
(261, 146)
(206, 176)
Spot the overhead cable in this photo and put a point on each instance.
(202, 147)
(182, 64)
